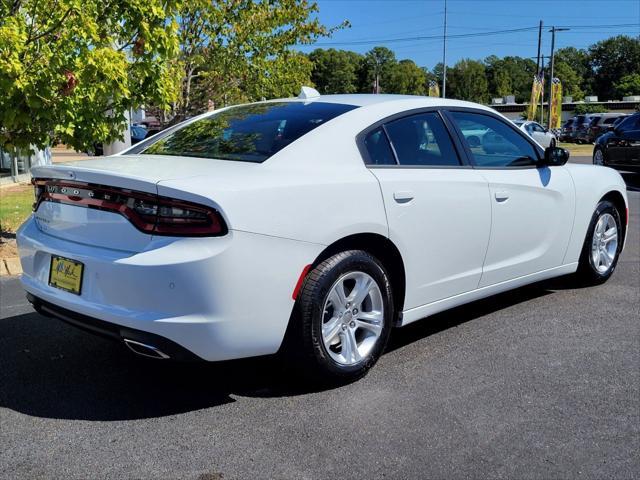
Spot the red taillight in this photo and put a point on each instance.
(147, 212)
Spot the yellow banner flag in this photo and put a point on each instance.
(434, 89)
(556, 104)
(536, 90)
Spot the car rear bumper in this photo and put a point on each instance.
(218, 298)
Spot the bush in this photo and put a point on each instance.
(586, 108)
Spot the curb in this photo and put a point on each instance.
(10, 266)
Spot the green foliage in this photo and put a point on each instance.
(379, 62)
(238, 51)
(628, 85)
(611, 60)
(469, 81)
(335, 71)
(571, 81)
(70, 69)
(407, 78)
(586, 108)
(510, 76)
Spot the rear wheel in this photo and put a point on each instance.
(598, 156)
(343, 317)
(552, 144)
(602, 245)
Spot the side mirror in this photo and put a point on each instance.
(555, 156)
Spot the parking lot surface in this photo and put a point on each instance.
(542, 382)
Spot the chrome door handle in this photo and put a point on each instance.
(403, 196)
(502, 196)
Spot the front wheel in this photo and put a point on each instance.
(343, 318)
(552, 143)
(602, 245)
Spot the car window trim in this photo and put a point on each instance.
(446, 111)
(458, 148)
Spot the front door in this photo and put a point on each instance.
(532, 207)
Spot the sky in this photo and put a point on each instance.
(383, 22)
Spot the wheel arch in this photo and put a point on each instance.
(381, 248)
(615, 197)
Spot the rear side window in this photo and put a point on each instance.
(378, 148)
(247, 133)
(422, 140)
(493, 143)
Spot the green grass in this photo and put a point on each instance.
(576, 150)
(15, 206)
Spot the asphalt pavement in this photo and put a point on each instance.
(541, 382)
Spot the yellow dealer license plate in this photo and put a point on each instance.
(66, 274)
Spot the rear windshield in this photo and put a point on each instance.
(247, 133)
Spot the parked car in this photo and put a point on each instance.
(311, 227)
(579, 127)
(620, 147)
(138, 133)
(536, 131)
(598, 124)
(565, 131)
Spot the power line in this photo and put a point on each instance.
(468, 35)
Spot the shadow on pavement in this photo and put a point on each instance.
(52, 370)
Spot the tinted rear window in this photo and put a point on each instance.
(247, 133)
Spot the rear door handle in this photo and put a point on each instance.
(404, 196)
(502, 196)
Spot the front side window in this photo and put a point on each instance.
(493, 143)
(422, 140)
(247, 133)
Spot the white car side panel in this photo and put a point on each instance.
(591, 184)
(442, 233)
(532, 218)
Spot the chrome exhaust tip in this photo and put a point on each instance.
(145, 350)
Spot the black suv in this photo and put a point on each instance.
(620, 148)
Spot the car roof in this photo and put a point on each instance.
(368, 99)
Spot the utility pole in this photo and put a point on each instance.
(553, 44)
(538, 71)
(444, 54)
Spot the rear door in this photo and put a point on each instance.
(532, 208)
(438, 208)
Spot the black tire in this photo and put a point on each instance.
(552, 144)
(587, 273)
(593, 157)
(304, 348)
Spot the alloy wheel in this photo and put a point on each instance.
(598, 157)
(353, 318)
(604, 245)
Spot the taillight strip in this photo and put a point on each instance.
(183, 219)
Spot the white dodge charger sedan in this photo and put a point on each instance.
(311, 226)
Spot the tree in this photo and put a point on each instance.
(570, 80)
(407, 78)
(335, 71)
(628, 85)
(240, 50)
(510, 76)
(469, 81)
(586, 108)
(612, 59)
(70, 69)
(378, 63)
